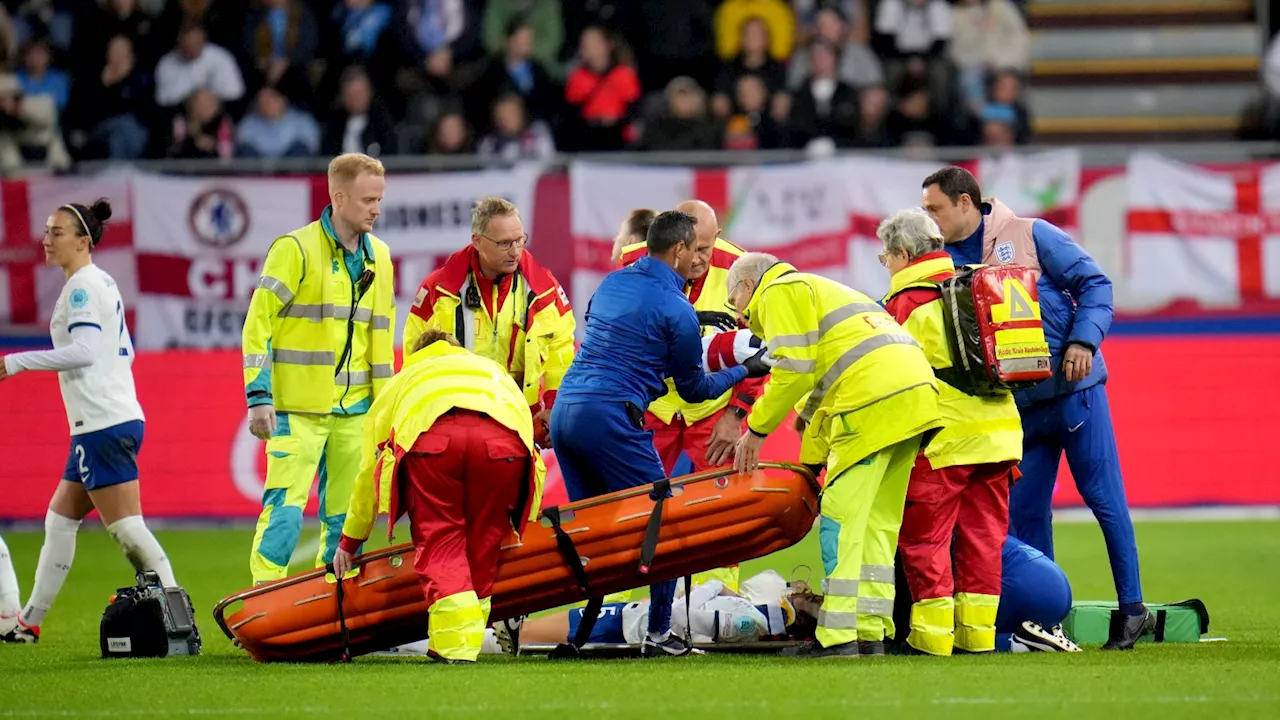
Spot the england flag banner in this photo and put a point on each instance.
(1198, 234)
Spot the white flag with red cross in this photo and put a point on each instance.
(1202, 235)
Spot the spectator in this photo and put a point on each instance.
(37, 78)
(915, 122)
(673, 38)
(278, 42)
(219, 19)
(601, 93)
(513, 137)
(50, 19)
(357, 35)
(28, 130)
(1006, 93)
(515, 70)
(113, 106)
(197, 64)
(97, 24)
(204, 131)
(775, 14)
(987, 35)
(684, 124)
(361, 124)
(751, 127)
(8, 39)
(912, 35)
(824, 106)
(438, 35)
(542, 17)
(998, 122)
(615, 15)
(858, 65)
(451, 135)
(275, 130)
(752, 59)
(873, 104)
(853, 11)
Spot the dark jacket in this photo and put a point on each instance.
(641, 329)
(379, 131)
(836, 119)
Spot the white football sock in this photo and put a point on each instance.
(10, 604)
(51, 571)
(142, 548)
(490, 645)
(659, 637)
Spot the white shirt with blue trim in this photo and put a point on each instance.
(93, 353)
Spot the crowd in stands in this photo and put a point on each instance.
(515, 79)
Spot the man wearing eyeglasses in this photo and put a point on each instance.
(501, 304)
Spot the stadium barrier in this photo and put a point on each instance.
(1190, 413)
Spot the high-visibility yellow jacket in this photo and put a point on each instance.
(525, 324)
(860, 369)
(314, 340)
(976, 429)
(436, 379)
(709, 292)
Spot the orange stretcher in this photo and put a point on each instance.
(617, 542)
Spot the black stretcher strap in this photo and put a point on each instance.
(568, 550)
(344, 635)
(650, 545)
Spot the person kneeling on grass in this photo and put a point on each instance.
(449, 441)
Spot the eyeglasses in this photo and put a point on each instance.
(506, 245)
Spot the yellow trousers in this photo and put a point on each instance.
(863, 505)
(301, 446)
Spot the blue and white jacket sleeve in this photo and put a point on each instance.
(684, 359)
(1072, 269)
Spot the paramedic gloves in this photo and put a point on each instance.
(716, 319)
(756, 365)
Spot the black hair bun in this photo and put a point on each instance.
(101, 210)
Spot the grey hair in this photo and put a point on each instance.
(751, 266)
(911, 231)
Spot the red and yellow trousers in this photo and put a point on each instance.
(953, 528)
(460, 485)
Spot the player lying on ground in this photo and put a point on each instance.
(93, 355)
(767, 608)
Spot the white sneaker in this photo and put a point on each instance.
(1038, 638)
(508, 633)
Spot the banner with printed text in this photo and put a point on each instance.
(819, 216)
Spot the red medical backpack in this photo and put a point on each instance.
(992, 319)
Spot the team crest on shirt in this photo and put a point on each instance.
(79, 298)
(1004, 252)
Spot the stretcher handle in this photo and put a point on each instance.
(219, 610)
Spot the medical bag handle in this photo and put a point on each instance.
(342, 614)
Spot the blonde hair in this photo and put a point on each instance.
(433, 336)
(349, 166)
(486, 210)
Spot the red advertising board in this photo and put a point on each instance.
(1191, 413)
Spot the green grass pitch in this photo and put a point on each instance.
(1231, 566)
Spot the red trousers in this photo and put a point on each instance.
(959, 513)
(670, 440)
(460, 485)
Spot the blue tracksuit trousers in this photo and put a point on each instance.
(601, 450)
(1032, 587)
(1080, 424)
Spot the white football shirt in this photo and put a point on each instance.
(101, 395)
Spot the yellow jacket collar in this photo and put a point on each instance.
(921, 269)
(774, 272)
(436, 349)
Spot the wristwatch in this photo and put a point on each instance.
(740, 412)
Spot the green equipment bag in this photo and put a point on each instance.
(1090, 622)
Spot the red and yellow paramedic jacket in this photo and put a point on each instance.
(710, 293)
(523, 322)
(976, 429)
